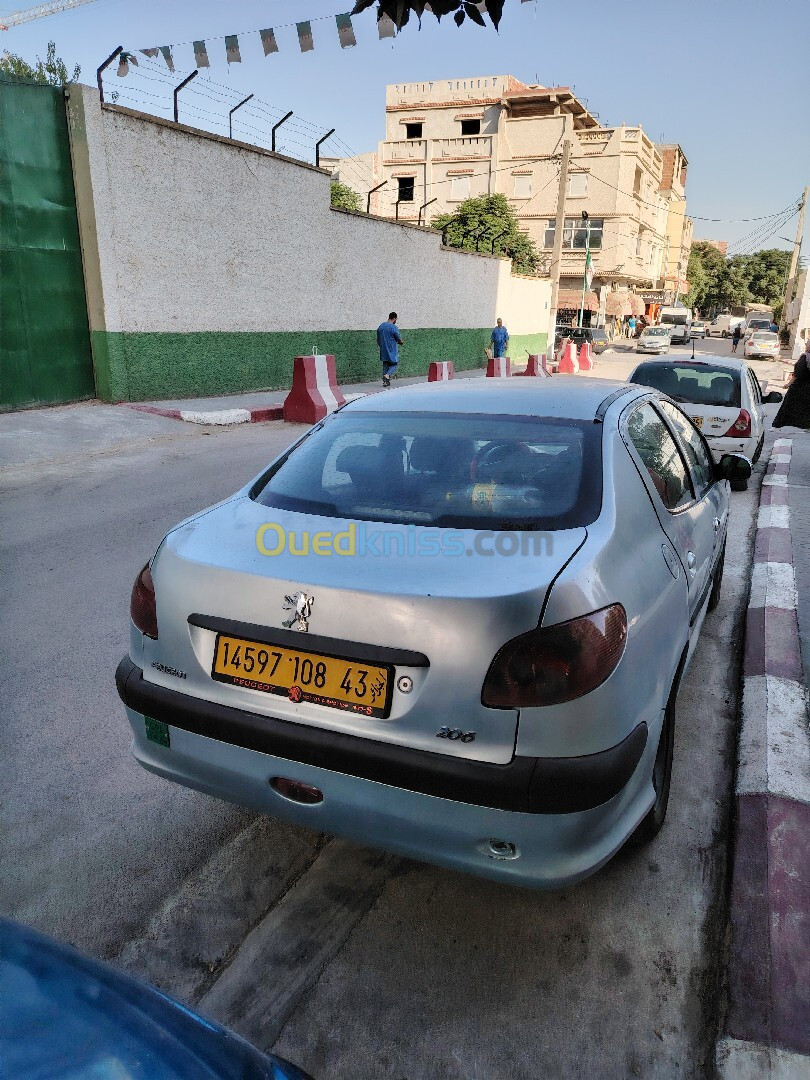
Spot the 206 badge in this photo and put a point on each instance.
(301, 606)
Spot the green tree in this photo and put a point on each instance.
(698, 281)
(52, 70)
(343, 198)
(768, 272)
(480, 221)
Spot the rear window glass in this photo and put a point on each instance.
(656, 331)
(760, 335)
(703, 385)
(448, 470)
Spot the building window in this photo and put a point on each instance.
(413, 131)
(638, 245)
(523, 187)
(575, 234)
(459, 188)
(470, 127)
(578, 185)
(406, 185)
(637, 183)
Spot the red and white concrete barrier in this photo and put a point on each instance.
(568, 364)
(768, 1025)
(585, 358)
(536, 365)
(315, 392)
(498, 367)
(441, 371)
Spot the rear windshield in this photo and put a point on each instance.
(698, 384)
(450, 470)
(761, 335)
(759, 324)
(673, 320)
(656, 331)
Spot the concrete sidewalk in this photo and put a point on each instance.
(767, 1033)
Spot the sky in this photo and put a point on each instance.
(727, 79)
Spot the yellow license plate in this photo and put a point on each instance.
(303, 676)
(697, 421)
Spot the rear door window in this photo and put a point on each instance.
(660, 456)
(697, 452)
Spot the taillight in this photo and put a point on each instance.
(556, 663)
(741, 428)
(142, 604)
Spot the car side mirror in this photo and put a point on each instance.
(773, 398)
(733, 467)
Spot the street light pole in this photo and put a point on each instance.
(794, 260)
(556, 252)
(585, 272)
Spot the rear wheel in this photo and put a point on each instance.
(662, 776)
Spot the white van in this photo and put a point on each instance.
(678, 319)
(723, 325)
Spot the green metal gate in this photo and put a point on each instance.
(45, 356)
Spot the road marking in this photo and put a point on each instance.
(283, 957)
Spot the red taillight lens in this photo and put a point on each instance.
(142, 604)
(741, 428)
(556, 663)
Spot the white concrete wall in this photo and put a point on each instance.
(197, 234)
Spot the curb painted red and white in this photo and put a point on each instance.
(767, 1033)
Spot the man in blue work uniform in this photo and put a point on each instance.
(389, 341)
(499, 339)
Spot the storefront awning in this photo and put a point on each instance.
(572, 298)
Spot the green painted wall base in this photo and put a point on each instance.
(143, 367)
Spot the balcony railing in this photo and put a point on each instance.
(473, 146)
(406, 150)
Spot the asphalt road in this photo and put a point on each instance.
(350, 963)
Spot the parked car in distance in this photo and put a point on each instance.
(599, 339)
(579, 335)
(655, 339)
(408, 679)
(721, 396)
(757, 324)
(698, 329)
(761, 344)
(723, 325)
(67, 1016)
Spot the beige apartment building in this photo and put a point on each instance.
(679, 226)
(447, 140)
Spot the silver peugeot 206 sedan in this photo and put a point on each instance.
(449, 621)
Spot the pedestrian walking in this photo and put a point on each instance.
(735, 338)
(499, 339)
(631, 326)
(388, 340)
(795, 408)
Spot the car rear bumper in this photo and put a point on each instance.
(564, 816)
(721, 445)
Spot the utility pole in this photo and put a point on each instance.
(556, 252)
(794, 260)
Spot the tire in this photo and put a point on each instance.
(662, 775)
(758, 451)
(723, 334)
(739, 485)
(714, 595)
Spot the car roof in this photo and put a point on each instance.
(730, 363)
(574, 398)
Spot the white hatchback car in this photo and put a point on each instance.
(655, 339)
(722, 397)
(762, 344)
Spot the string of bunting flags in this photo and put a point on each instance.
(386, 28)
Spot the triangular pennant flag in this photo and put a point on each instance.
(305, 36)
(386, 27)
(232, 54)
(268, 41)
(345, 31)
(167, 56)
(151, 53)
(201, 54)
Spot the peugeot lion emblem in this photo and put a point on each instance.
(301, 607)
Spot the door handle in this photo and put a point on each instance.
(690, 560)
